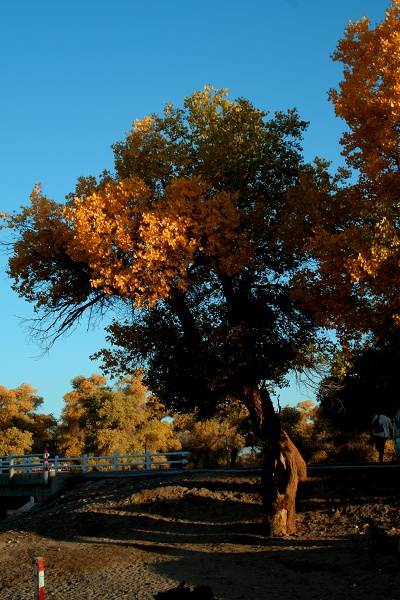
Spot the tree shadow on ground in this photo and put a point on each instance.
(207, 531)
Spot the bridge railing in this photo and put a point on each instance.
(118, 462)
(36, 463)
(24, 463)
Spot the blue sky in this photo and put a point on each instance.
(74, 76)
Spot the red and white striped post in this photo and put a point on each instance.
(39, 578)
(46, 469)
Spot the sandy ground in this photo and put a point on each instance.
(134, 537)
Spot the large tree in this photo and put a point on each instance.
(194, 240)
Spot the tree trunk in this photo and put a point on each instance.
(283, 466)
(283, 470)
(233, 457)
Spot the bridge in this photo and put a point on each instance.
(27, 476)
(30, 476)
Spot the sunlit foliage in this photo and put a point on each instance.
(99, 419)
(368, 98)
(22, 428)
(212, 442)
(358, 281)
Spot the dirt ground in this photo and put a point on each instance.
(133, 537)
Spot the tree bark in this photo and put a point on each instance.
(283, 466)
(283, 470)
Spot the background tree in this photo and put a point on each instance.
(299, 422)
(358, 262)
(196, 239)
(100, 420)
(72, 435)
(367, 384)
(45, 433)
(237, 419)
(23, 429)
(15, 440)
(211, 442)
(321, 439)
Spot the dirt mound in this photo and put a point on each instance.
(137, 536)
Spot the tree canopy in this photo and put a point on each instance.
(197, 235)
(368, 98)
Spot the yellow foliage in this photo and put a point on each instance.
(369, 95)
(358, 260)
(100, 420)
(45, 235)
(18, 421)
(139, 249)
(16, 441)
(17, 403)
(208, 440)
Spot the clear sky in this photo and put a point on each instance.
(74, 76)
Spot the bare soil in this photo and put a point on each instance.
(133, 537)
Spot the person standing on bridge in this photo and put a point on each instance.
(382, 430)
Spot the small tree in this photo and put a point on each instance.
(299, 422)
(72, 435)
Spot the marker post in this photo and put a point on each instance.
(39, 578)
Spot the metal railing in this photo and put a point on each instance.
(37, 463)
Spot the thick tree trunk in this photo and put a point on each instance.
(283, 470)
(283, 467)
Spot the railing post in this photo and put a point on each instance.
(84, 463)
(56, 464)
(148, 459)
(11, 465)
(115, 461)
